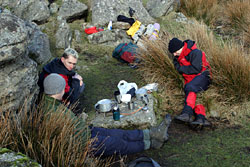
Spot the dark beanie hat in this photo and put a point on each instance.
(174, 45)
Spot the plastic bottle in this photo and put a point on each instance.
(116, 113)
(110, 25)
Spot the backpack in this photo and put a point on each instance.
(143, 161)
(125, 52)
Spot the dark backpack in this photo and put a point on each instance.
(125, 52)
(143, 161)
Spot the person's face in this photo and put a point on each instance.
(70, 62)
(178, 52)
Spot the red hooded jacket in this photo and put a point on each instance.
(191, 62)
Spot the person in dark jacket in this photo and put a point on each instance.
(64, 67)
(107, 142)
(191, 63)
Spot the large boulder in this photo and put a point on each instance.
(63, 35)
(112, 38)
(38, 46)
(158, 8)
(18, 73)
(108, 10)
(72, 9)
(31, 10)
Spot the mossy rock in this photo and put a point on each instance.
(9, 158)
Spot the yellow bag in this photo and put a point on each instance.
(134, 28)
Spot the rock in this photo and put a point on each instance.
(38, 46)
(78, 37)
(109, 37)
(63, 35)
(139, 120)
(53, 8)
(31, 10)
(9, 158)
(158, 8)
(18, 73)
(72, 9)
(214, 113)
(121, 25)
(108, 10)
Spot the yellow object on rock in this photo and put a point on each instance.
(134, 28)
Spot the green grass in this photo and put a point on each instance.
(221, 147)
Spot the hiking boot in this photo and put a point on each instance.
(160, 132)
(156, 144)
(184, 117)
(201, 121)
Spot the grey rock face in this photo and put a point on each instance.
(109, 37)
(63, 35)
(39, 48)
(158, 8)
(9, 158)
(108, 10)
(31, 10)
(72, 9)
(18, 73)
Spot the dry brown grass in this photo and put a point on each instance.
(230, 64)
(49, 138)
(237, 18)
(157, 67)
(230, 67)
(206, 10)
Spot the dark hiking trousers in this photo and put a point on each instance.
(198, 84)
(111, 141)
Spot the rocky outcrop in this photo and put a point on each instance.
(108, 10)
(9, 158)
(158, 8)
(72, 9)
(18, 73)
(109, 37)
(38, 46)
(63, 35)
(31, 10)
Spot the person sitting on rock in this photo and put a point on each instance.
(64, 67)
(106, 141)
(192, 64)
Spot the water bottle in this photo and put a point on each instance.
(116, 113)
(110, 25)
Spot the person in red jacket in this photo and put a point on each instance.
(64, 66)
(191, 63)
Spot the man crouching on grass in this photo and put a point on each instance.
(106, 141)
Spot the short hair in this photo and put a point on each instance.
(70, 51)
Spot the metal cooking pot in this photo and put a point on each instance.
(104, 105)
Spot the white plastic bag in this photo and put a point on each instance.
(124, 86)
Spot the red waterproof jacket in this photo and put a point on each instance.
(191, 62)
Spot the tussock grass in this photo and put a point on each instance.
(230, 68)
(237, 16)
(206, 10)
(49, 138)
(230, 64)
(157, 66)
